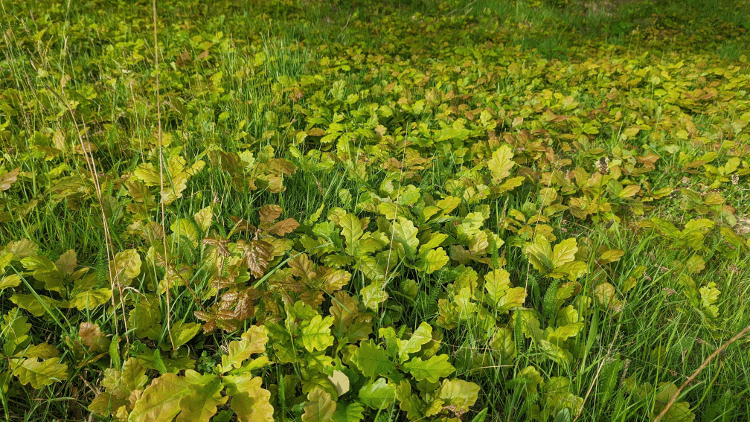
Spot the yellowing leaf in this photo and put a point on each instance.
(372, 360)
(204, 218)
(12, 280)
(317, 334)
(183, 332)
(679, 411)
(405, 235)
(340, 381)
(93, 338)
(571, 270)
(90, 299)
(351, 229)
(204, 397)
(560, 334)
(496, 283)
(629, 191)
(35, 306)
(319, 407)
(373, 295)
(184, 227)
(250, 401)
(160, 401)
(461, 394)
(40, 373)
(422, 335)
(610, 255)
(284, 227)
(252, 341)
(501, 163)
(433, 260)
(7, 179)
(126, 266)
(606, 297)
(564, 252)
(540, 254)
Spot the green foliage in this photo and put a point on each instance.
(430, 210)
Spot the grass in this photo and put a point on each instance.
(417, 96)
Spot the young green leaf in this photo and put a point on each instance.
(432, 370)
(378, 395)
(372, 360)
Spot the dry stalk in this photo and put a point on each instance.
(698, 371)
(161, 175)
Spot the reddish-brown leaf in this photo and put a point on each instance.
(257, 254)
(269, 213)
(284, 227)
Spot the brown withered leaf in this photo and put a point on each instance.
(284, 227)
(302, 267)
(8, 179)
(202, 56)
(269, 214)
(258, 253)
(293, 290)
(279, 166)
(222, 245)
(93, 338)
(234, 307)
(243, 303)
(183, 60)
